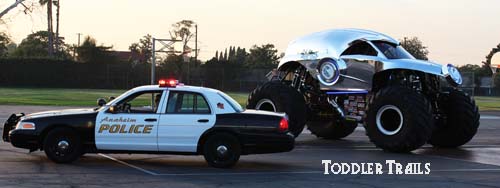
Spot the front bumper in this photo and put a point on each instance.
(268, 143)
(10, 124)
(24, 139)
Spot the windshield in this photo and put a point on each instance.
(236, 106)
(112, 101)
(392, 51)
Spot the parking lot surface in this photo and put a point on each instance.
(477, 164)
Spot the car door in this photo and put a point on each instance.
(132, 125)
(187, 116)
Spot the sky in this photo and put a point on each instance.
(455, 31)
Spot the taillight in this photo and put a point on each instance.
(283, 124)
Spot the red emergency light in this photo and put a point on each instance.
(168, 82)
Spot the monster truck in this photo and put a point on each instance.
(335, 79)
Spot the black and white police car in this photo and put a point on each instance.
(168, 118)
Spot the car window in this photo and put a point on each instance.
(360, 48)
(392, 51)
(140, 102)
(187, 103)
(235, 105)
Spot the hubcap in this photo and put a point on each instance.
(63, 145)
(389, 120)
(265, 104)
(221, 151)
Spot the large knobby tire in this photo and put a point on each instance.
(462, 120)
(222, 150)
(62, 145)
(331, 129)
(278, 97)
(399, 119)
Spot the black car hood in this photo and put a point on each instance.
(59, 113)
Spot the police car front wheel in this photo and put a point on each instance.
(222, 150)
(62, 145)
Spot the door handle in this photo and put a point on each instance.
(150, 119)
(203, 120)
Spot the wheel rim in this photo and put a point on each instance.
(61, 148)
(222, 151)
(389, 120)
(62, 145)
(266, 104)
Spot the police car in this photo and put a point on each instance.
(168, 118)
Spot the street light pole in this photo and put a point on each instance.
(153, 63)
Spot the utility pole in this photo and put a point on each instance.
(79, 34)
(74, 50)
(153, 62)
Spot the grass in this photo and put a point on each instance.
(69, 97)
(88, 97)
(488, 103)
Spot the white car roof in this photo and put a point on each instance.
(178, 88)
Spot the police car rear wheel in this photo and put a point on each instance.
(222, 150)
(62, 145)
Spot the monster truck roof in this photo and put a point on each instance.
(329, 43)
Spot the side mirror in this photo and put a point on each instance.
(113, 109)
(101, 102)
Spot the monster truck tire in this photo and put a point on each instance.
(461, 123)
(278, 97)
(399, 119)
(331, 129)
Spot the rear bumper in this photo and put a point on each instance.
(268, 143)
(24, 139)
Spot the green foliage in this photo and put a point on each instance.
(4, 43)
(36, 45)
(415, 47)
(89, 51)
(182, 31)
(478, 71)
(144, 48)
(265, 56)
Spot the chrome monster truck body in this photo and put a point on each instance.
(355, 71)
(344, 77)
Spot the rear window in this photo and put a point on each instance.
(235, 105)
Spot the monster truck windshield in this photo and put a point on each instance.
(392, 51)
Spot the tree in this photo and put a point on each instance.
(144, 48)
(265, 56)
(4, 43)
(89, 51)
(35, 45)
(479, 72)
(415, 47)
(50, 43)
(58, 6)
(182, 31)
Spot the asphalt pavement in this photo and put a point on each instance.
(476, 164)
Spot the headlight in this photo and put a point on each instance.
(25, 126)
(328, 72)
(452, 75)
